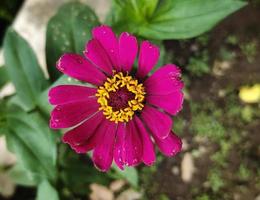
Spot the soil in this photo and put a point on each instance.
(245, 26)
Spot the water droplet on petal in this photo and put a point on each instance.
(58, 108)
(61, 68)
(53, 124)
(79, 61)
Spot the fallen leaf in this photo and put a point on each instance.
(250, 94)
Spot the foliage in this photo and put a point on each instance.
(198, 65)
(46, 191)
(23, 69)
(3, 76)
(203, 197)
(65, 35)
(244, 173)
(249, 49)
(170, 19)
(215, 180)
(207, 125)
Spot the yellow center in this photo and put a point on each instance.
(114, 85)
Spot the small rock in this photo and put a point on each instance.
(185, 145)
(6, 157)
(194, 47)
(222, 93)
(237, 196)
(32, 20)
(258, 197)
(175, 170)
(7, 187)
(129, 194)
(7, 90)
(220, 67)
(187, 167)
(186, 94)
(117, 185)
(99, 192)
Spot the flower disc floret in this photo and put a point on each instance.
(120, 97)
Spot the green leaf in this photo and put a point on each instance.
(175, 19)
(23, 69)
(22, 176)
(30, 138)
(3, 120)
(181, 19)
(3, 76)
(129, 14)
(78, 172)
(68, 31)
(129, 173)
(46, 191)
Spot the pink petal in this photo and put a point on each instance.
(119, 153)
(128, 48)
(108, 40)
(80, 68)
(148, 156)
(171, 103)
(159, 123)
(63, 94)
(103, 152)
(148, 57)
(170, 145)
(94, 139)
(164, 81)
(96, 54)
(71, 114)
(79, 135)
(133, 146)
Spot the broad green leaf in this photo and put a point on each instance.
(46, 192)
(176, 19)
(30, 138)
(129, 173)
(22, 176)
(3, 119)
(23, 69)
(138, 10)
(179, 19)
(127, 15)
(78, 172)
(68, 31)
(3, 76)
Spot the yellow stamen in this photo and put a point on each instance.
(113, 84)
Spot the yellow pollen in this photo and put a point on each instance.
(113, 84)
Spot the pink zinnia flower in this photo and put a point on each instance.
(127, 110)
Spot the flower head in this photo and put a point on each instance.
(124, 111)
